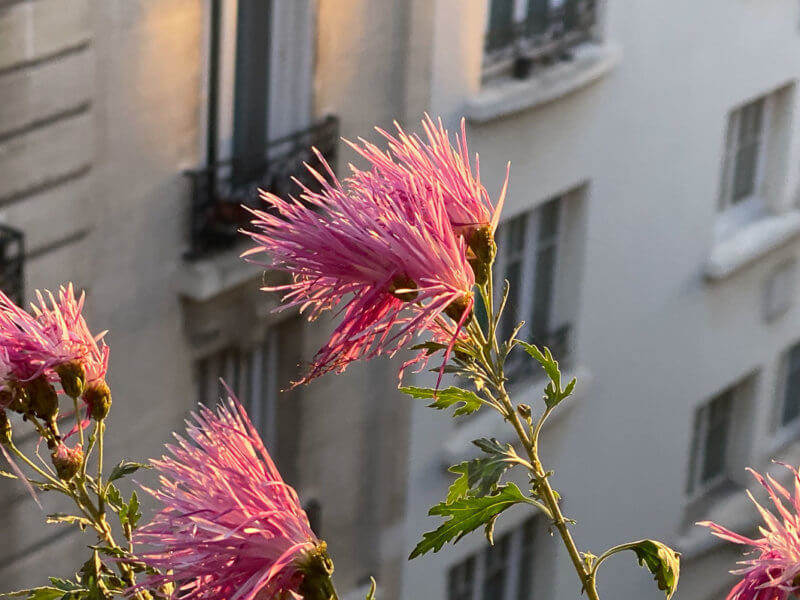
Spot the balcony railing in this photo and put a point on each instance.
(220, 190)
(543, 38)
(12, 261)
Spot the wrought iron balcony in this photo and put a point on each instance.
(12, 261)
(220, 190)
(545, 37)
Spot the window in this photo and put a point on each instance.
(12, 258)
(536, 29)
(789, 404)
(712, 424)
(528, 256)
(251, 375)
(744, 155)
(499, 572)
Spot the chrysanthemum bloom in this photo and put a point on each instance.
(774, 574)
(229, 527)
(397, 266)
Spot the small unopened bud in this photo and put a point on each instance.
(67, 461)
(456, 309)
(73, 378)
(402, 287)
(525, 411)
(5, 429)
(97, 395)
(20, 399)
(43, 398)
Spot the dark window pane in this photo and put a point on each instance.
(744, 174)
(526, 559)
(461, 580)
(699, 415)
(791, 393)
(716, 438)
(494, 579)
(511, 314)
(543, 291)
(501, 24)
(538, 17)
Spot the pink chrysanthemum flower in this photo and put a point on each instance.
(397, 266)
(774, 573)
(437, 163)
(229, 527)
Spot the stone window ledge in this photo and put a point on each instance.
(750, 243)
(734, 509)
(203, 279)
(487, 422)
(497, 99)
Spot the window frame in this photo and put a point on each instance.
(512, 568)
(533, 244)
(733, 214)
(695, 485)
(785, 430)
(247, 382)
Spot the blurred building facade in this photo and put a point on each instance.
(130, 131)
(650, 228)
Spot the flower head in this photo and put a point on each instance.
(772, 574)
(397, 267)
(228, 527)
(54, 343)
(437, 163)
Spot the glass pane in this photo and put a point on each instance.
(494, 580)
(460, 581)
(750, 121)
(526, 559)
(699, 416)
(548, 220)
(543, 292)
(501, 24)
(538, 17)
(744, 174)
(716, 438)
(511, 314)
(514, 232)
(791, 398)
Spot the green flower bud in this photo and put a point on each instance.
(20, 399)
(317, 569)
(402, 282)
(97, 395)
(455, 310)
(482, 250)
(67, 462)
(43, 398)
(73, 378)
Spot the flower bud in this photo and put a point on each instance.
(525, 411)
(66, 461)
(5, 429)
(402, 282)
(43, 398)
(73, 378)
(97, 395)
(482, 251)
(456, 309)
(316, 567)
(20, 399)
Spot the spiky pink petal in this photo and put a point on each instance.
(394, 267)
(773, 574)
(228, 527)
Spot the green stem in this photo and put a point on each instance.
(78, 422)
(101, 496)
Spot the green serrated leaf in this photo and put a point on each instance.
(662, 561)
(38, 593)
(125, 468)
(66, 585)
(117, 552)
(480, 476)
(429, 347)
(133, 513)
(7, 474)
(114, 497)
(467, 402)
(71, 519)
(467, 515)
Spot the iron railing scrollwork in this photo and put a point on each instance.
(220, 191)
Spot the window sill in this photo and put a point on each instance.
(732, 508)
(458, 447)
(204, 279)
(499, 98)
(750, 243)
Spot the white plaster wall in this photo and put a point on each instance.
(657, 338)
